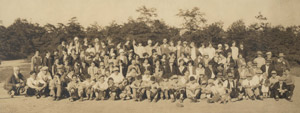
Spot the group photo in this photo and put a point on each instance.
(136, 56)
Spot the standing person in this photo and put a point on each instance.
(281, 64)
(179, 48)
(62, 48)
(172, 47)
(210, 50)
(220, 49)
(165, 47)
(226, 49)
(35, 86)
(78, 46)
(259, 60)
(194, 51)
(201, 49)
(36, 61)
(48, 61)
(15, 83)
(234, 50)
(267, 68)
(242, 50)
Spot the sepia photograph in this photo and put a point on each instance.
(149, 56)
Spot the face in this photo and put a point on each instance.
(37, 53)
(33, 75)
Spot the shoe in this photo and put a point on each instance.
(54, 98)
(57, 99)
(276, 99)
(81, 99)
(38, 96)
(181, 100)
(71, 100)
(173, 100)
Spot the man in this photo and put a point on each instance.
(73, 88)
(267, 68)
(290, 82)
(45, 76)
(281, 64)
(55, 86)
(15, 83)
(165, 47)
(234, 51)
(256, 84)
(36, 61)
(192, 89)
(48, 61)
(62, 48)
(117, 78)
(35, 86)
(281, 90)
(259, 60)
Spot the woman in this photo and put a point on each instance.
(182, 68)
(146, 67)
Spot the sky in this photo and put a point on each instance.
(103, 12)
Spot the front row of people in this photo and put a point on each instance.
(222, 89)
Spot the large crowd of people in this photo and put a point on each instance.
(101, 70)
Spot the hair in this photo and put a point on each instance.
(32, 72)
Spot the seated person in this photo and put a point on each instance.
(152, 91)
(281, 89)
(35, 86)
(15, 84)
(85, 87)
(138, 87)
(192, 89)
(176, 90)
(112, 89)
(164, 87)
(73, 88)
(55, 87)
(100, 88)
(125, 90)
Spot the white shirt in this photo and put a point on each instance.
(117, 78)
(235, 52)
(210, 51)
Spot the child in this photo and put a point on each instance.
(73, 88)
(86, 87)
(125, 88)
(209, 89)
(163, 84)
(241, 91)
(100, 88)
(192, 89)
(136, 87)
(265, 88)
(175, 89)
(112, 89)
(152, 93)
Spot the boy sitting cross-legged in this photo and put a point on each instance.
(100, 88)
(137, 88)
(87, 88)
(73, 88)
(192, 89)
(152, 89)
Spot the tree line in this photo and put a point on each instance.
(22, 38)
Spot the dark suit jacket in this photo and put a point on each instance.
(277, 86)
(263, 68)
